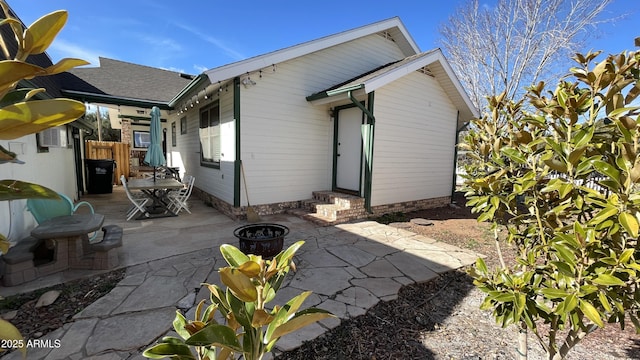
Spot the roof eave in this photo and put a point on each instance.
(459, 95)
(229, 71)
(435, 56)
(195, 83)
(114, 100)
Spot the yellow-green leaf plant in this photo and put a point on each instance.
(561, 180)
(22, 114)
(238, 321)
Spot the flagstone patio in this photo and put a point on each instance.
(349, 267)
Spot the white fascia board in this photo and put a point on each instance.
(232, 70)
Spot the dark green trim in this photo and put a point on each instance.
(77, 145)
(336, 114)
(368, 136)
(368, 169)
(114, 100)
(236, 163)
(192, 85)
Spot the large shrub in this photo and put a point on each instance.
(561, 177)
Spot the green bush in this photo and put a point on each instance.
(562, 178)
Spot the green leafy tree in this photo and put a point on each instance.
(21, 113)
(245, 325)
(107, 133)
(562, 180)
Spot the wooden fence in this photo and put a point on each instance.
(119, 152)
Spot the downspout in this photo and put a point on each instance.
(236, 163)
(367, 135)
(77, 143)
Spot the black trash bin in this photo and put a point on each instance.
(100, 176)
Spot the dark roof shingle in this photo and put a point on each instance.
(126, 80)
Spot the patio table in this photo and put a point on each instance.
(158, 191)
(69, 236)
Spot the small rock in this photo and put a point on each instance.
(37, 334)
(48, 298)
(9, 315)
(421, 222)
(400, 225)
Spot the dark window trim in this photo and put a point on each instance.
(203, 162)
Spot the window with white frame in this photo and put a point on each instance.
(210, 136)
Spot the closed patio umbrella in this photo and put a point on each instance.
(154, 156)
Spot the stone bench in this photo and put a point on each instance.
(105, 252)
(18, 261)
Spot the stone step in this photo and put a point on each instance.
(310, 204)
(328, 207)
(344, 200)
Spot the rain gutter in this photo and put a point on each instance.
(238, 159)
(114, 100)
(195, 83)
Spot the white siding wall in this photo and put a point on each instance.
(414, 141)
(55, 170)
(186, 153)
(287, 142)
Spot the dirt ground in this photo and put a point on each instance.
(441, 319)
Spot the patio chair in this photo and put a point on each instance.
(179, 198)
(45, 209)
(138, 203)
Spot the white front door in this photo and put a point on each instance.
(349, 149)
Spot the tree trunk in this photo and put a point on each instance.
(522, 342)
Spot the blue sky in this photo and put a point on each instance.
(194, 35)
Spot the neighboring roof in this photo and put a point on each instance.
(114, 81)
(393, 26)
(372, 80)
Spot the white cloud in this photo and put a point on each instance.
(63, 49)
(212, 40)
(167, 45)
(200, 68)
(173, 69)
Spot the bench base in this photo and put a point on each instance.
(19, 264)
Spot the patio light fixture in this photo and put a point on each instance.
(248, 82)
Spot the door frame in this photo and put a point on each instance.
(334, 186)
